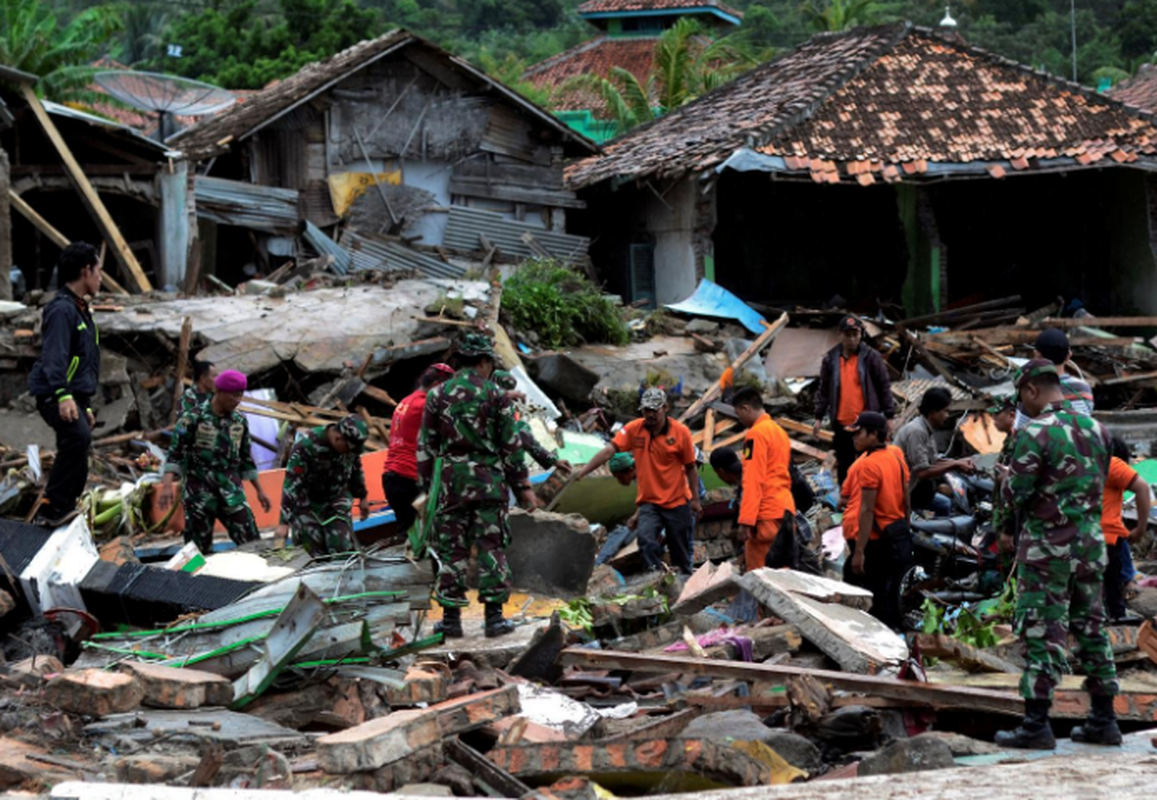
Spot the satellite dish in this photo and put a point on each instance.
(168, 95)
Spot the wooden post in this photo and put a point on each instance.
(88, 194)
(182, 364)
(40, 223)
(709, 430)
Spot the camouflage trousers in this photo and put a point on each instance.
(1056, 595)
(205, 503)
(326, 530)
(455, 531)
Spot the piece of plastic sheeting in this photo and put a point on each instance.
(712, 300)
(264, 428)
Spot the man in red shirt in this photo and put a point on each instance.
(400, 475)
(877, 492)
(668, 481)
(766, 498)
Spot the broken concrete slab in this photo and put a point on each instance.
(476, 710)
(539, 661)
(738, 725)
(918, 754)
(18, 767)
(94, 692)
(659, 758)
(857, 641)
(537, 540)
(817, 587)
(172, 687)
(707, 585)
(962, 745)
(216, 724)
(494, 653)
(154, 768)
(378, 742)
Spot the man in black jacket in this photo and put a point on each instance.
(66, 377)
(853, 379)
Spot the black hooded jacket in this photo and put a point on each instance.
(69, 363)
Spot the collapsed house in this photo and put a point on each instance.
(393, 142)
(883, 160)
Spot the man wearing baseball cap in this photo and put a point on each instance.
(400, 471)
(322, 478)
(212, 453)
(668, 480)
(1052, 345)
(853, 378)
(876, 518)
(1056, 482)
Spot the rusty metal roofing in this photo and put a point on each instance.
(215, 135)
(883, 104)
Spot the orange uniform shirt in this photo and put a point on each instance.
(766, 473)
(1121, 476)
(884, 470)
(851, 391)
(661, 461)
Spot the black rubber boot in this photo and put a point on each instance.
(1101, 726)
(1035, 733)
(495, 624)
(451, 625)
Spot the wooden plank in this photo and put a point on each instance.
(972, 658)
(1019, 335)
(720, 427)
(1098, 322)
(729, 441)
(378, 394)
(39, 222)
(182, 365)
(1140, 376)
(760, 342)
(804, 429)
(986, 700)
(823, 456)
(709, 429)
(962, 311)
(91, 199)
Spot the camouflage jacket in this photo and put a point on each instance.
(318, 476)
(1003, 517)
(1057, 478)
(212, 449)
(191, 399)
(471, 427)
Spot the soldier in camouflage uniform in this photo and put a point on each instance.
(322, 477)
(210, 450)
(545, 458)
(470, 426)
(204, 373)
(1056, 481)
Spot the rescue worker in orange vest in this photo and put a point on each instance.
(767, 508)
(876, 517)
(1122, 478)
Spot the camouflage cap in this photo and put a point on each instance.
(505, 380)
(654, 399)
(622, 462)
(476, 344)
(1002, 403)
(1034, 369)
(354, 430)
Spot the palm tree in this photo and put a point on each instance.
(32, 40)
(144, 32)
(685, 67)
(840, 15)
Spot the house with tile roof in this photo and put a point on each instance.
(885, 165)
(1140, 90)
(628, 31)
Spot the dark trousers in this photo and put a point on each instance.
(882, 574)
(679, 525)
(1114, 594)
(845, 451)
(401, 492)
(70, 468)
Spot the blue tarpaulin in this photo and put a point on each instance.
(712, 300)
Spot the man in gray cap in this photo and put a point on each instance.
(668, 480)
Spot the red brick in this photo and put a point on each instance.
(532, 732)
(476, 710)
(173, 687)
(421, 686)
(94, 692)
(379, 742)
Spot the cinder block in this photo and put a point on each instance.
(94, 692)
(378, 742)
(173, 687)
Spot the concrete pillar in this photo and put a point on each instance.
(5, 230)
(173, 224)
(671, 220)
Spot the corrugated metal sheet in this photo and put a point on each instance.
(261, 208)
(467, 226)
(327, 247)
(367, 253)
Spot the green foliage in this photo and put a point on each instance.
(577, 614)
(975, 626)
(560, 306)
(840, 15)
(34, 39)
